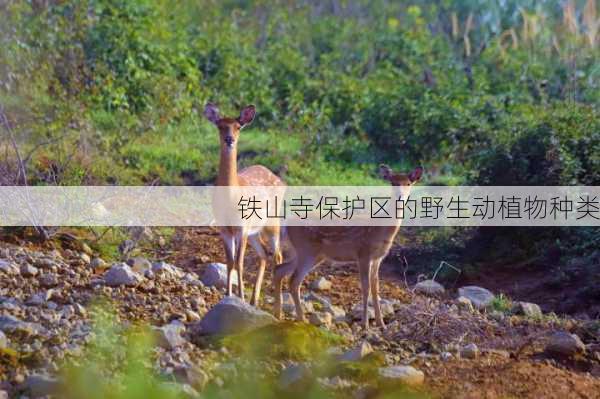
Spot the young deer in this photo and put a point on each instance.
(367, 245)
(235, 238)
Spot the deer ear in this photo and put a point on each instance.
(211, 112)
(247, 115)
(385, 171)
(415, 174)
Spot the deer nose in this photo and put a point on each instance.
(229, 141)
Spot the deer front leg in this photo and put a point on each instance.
(229, 246)
(364, 270)
(239, 263)
(374, 280)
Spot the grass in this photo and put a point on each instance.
(501, 303)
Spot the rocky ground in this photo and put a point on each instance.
(464, 344)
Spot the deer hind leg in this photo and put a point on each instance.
(374, 281)
(304, 264)
(242, 241)
(257, 244)
(281, 271)
(364, 270)
(229, 246)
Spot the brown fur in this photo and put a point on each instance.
(235, 238)
(367, 245)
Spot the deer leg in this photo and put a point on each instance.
(256, 243)
(281, 271)
(364, 270)
(374, 280)
(229, 246)
(304, 265)
(275, 244)
(239, 263)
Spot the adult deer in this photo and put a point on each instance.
(367, 245)
(235, 238)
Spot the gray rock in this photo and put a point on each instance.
(405, 374)
(321, 284)
(28, 271)
(230, 316)
(38, 385)
(528, 309)
(169, 335)
(98, 264)
(470, 351)
(320, 319)
(139, 264)
(48, 280)
(166, 270)
(39, 298)
(12, 325)
(3, 394)
(479, 297)
(121, 274)
(215, 275)
(565, 344)
(357, 353)
(429, 287)
(337, 313)
(8, 267)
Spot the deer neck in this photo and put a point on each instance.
(228, 168)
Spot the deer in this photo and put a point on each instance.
(236, 238)
(365, 245)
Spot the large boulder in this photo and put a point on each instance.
(429, 287)
(565, 344)
(231, 316)
(528, 309)
(215, 275)
(121, 274)
(479, 297)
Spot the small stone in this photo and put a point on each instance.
(565, 344)
(215, 275)
(479, 297)
(445, 356)
(529, 309)
(354, 355)
(48, 280)
(8, 267)
(85, 258)
(320, 319)
(28, 271)
(98, 264)
(405, 374)
(429, 287)
(470, 351)
(163, 269)
(321, 284)
(139, 264)
(121, 274)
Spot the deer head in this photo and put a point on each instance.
(403, 181)
(229, 128)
